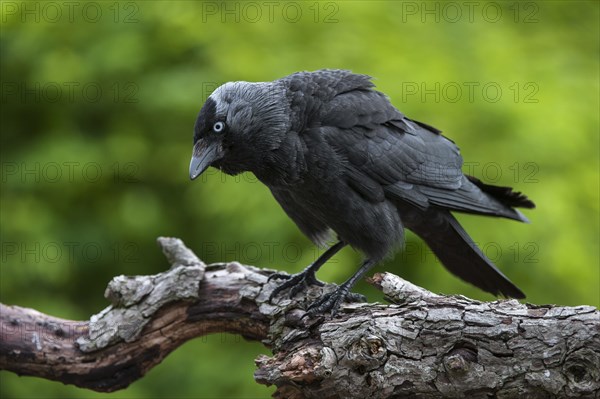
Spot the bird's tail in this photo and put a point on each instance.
(459, 254)
(475, 196)
(506, 196)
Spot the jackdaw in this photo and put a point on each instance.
(338, 157)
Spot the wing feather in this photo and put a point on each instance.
(387, 154)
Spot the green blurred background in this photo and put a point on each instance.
(98, 104)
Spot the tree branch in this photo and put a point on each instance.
(422, 345)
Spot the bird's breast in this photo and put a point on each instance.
(373, 228)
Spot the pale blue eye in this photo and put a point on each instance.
(218, 127)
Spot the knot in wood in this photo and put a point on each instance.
(300, 367)
(458, 360)
(367, 353)
(373, 346)
(582, 369)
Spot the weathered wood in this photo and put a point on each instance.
(422, 345)
(150, 316)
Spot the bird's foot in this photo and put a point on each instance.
(331, 302)
(295, 282)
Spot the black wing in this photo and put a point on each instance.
(412, 161)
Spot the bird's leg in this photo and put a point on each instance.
(306, 277)
(332, 301)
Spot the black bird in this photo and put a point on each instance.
(339, 157)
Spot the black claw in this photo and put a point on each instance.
(331, 302)
(307, 277)
(354, 297)
(310, 279)
(296, 289)
(295, 282)
(278, 275)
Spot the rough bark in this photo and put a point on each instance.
(422, 345)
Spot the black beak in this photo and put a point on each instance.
(203, 156)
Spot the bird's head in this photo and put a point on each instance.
(238, 126)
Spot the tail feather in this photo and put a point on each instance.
(458, 253)
(480, 198)
(506, 195)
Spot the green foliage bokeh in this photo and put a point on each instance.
(96, 133)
